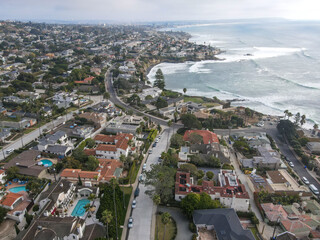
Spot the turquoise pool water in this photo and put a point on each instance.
(79, 210)
(46, 162)
(18, 189)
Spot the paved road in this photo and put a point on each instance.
(284, 148)
(27, 138)
(142, 214)
(114, 98)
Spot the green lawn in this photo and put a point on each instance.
(170, 229)
(193, 99)
(255, 233)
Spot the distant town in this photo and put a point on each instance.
(92, 149)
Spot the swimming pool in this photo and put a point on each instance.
(18, 189)
(79, 210)
(46, 162)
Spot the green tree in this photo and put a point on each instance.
(12, 172)
(303, 119)
(106, 95)
(315, 126)
(184, 90)
(92, 163)
(134, 99)
(190, 203)
(90, 143)
(106, 219)
(176, 141)
(195, 138)
(200, 174)
(165, 219)
(190, 121)
(159, 82)
(190, 168)
(209, 175)
(161, 177)
(161, 103)
(156, 199)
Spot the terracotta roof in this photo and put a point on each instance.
(105, 147)
(104, 138)
(2, 171)
(208, 137)
(107, 168)
(71, 173)
(90, 152)
(89, 174)
(10, 198)
(87, 80)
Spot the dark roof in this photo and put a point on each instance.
(94, 231)
(225, 221)
(286, 236)
(26, 159)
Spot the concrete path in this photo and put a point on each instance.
(183, 232)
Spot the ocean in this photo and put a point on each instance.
(269, 66)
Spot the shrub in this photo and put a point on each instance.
(192, 227)
(35, 208)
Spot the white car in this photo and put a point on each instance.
(305, 180)
(9, 151)
(130, 222)
(150, 151)
(157, 140)
(291, 164)
(134, 204)
(144, 167)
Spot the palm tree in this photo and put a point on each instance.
(106, 219)
(156, 199)
(92, 197)
(169, 125)
(289, 115)
(315, 126)
(303, 119)
(286, 112)
(165, 219)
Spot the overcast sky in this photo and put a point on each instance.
(157, 10)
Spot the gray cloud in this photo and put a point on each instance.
(158, 10)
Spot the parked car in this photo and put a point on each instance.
(157, 140)
(134, 204)
(9, 151)
(144, 167)
(305, 180)
(314, 189)
(141, 178)
(154, 145)
(136, 192)
(291, 164)
(130, 222)
(150, 151)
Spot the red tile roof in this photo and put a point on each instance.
(90, 152)
(87, 80)
(208, 137)
(107, 168)
(71, 173)
(10, 198)
(105, 147)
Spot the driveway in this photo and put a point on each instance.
(183, 232)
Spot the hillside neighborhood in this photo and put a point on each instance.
(92, 149)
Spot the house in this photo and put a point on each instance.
(87, 80)
(291, 219)
(268, 158)
(99, 119)
(107, 170)
(183, 154)
(167, 112)
(124, 124)
(5, 133)
(2, 176)
(56, 143)
(53, 223)
(282, 182)
(220, 224)
(230, 192)
(208, 137)
(27, 164)
(24, 123)
(314, 147)
(16, 205)
(286, 236)
(152, 91)
(111, 146)
(83, 131)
